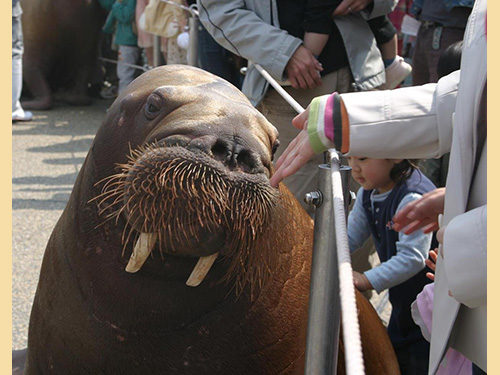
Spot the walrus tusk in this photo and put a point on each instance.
(142, 249)
(201, 269)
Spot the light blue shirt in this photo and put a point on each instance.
(412, 249)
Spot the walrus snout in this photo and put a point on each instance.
(232, 152)
(191, 197)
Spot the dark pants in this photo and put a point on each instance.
(425, 56)
(425, 61)
(216, 59)
(413, 359)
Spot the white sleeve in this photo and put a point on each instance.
(464, 248)
(407, 123)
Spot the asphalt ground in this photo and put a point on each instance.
(47, 154)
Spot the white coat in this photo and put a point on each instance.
(428, 121)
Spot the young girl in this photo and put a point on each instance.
(387, 185)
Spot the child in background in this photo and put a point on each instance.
(318, 22)
(387, 185)
(119, 22)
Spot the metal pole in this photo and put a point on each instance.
(324, 303)
(156, 50)
(193, 41)
(323, 324)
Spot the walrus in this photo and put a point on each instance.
(174, 255)
(60, 50)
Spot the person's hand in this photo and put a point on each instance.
(421, 214)
(303, 70)
(361, 282)
(296, 155)
(431, 263)
(350, 6)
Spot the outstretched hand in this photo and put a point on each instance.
(421, 214)
(297, 153)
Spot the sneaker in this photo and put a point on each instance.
(26, 116)
(396, 73)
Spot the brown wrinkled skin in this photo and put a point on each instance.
(91, 317)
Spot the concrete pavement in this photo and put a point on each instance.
(47, 154)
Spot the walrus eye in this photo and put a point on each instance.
(153, 106)
(275, 147)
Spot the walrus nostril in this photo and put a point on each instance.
(246, 160)
(220, 151)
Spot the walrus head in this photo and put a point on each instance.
(195, 182)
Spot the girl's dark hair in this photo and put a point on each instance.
(402, 171)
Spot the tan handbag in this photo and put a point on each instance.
(162, 19)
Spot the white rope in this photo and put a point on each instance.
(295, 105)
(350, 324)
(144, 68)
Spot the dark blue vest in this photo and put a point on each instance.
(401, 329)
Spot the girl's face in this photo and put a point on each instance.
(373, 173)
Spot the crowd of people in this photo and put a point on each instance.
(343, 60)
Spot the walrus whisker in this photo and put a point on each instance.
(130, 231)
(131, 215)
(104, 222)
(107, 179)
(155, 192)
(118, 195)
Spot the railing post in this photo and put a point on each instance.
(193, 41)
(324, 299)
(156, 50)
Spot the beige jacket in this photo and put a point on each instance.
(428, 121)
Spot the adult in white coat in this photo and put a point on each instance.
(425, 122)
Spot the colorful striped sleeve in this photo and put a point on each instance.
(327, 125)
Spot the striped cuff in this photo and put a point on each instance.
(327, 125)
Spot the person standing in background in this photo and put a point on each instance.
(442, 24)
(18, 113)
(119, 23)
